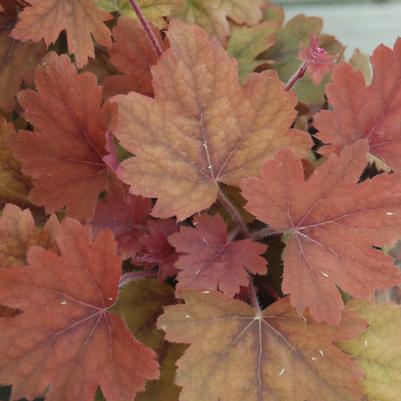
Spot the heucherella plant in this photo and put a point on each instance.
(198, 203)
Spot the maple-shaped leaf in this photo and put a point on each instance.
(378, 350)
(360, 62)
(238, 353)
(64, 153)
(153, 10)
(211, 261)
(331, 226)
(124, 214)
(140, 303)
(246, 43)
(212, 15)
(202, 127)
(19, 61)
(133, 55)
(18, 233)
(81, 20)
(359, 111)
(65, 340)
(14, 186)
(317, 61)
(157, 249)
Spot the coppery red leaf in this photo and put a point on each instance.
(211, 261)
(331, 225)
(65, 340)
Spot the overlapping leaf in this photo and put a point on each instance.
(18, 62)
(283, 56)
(378, 351)
(246, 43)
(239, 354)
(124, 215)
(211, 261)
(212, 15)
(140, 304)
(18, 233)
(133, 56)
(14, 187)
(81, 20)
(65, 340)
(153, 10)
(331, 226)
(202, 127)
(157, 249)
(64, 153)
(359, 111)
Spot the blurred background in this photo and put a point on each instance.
(356, 23)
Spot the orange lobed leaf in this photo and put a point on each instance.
(211, 261)
(331, 225)
(64, 155)
(241, 354)
(124, 215)
(81, 20)
(360, 111)
(133, 56)
(202, 128)
(19, 61)
(18, 233)
(65, 340)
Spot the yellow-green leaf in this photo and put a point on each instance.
(212, 15)
(141, 303)
(378, 350)
(154, 10)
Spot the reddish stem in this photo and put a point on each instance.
(234, 212)
(149, 32)
(297, 76)
(263, 233)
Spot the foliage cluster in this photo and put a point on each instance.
(199, 201)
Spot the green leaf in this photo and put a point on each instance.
(154, 10)
(378, 350)
(140, 304)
